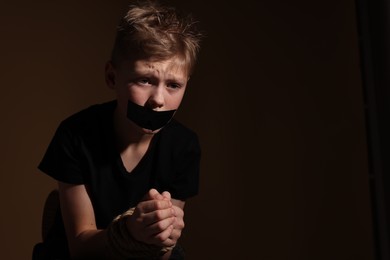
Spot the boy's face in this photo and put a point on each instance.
(158, 85)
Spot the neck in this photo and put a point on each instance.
(128, 134)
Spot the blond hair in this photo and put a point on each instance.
(152, 31)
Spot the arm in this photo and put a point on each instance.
(84, 238)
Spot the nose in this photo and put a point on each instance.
(156, 98)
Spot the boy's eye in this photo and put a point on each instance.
(143, 81)
(174, 85)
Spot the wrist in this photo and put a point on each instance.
(124, 245)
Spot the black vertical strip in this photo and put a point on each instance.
(373, 35)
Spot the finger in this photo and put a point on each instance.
(163, 238)
(160, 226)
(178, 212)
(156, 216)
(178, 223)
(175, 234)
(153, 205)
(166, 195)
(152, 194)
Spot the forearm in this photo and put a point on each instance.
(91, 244)
(115, 242)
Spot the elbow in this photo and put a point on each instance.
(90, 244)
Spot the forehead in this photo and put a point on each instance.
(173, 67)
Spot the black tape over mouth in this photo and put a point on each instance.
(148, 118)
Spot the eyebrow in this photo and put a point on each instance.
(151, 74)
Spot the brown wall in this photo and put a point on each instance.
(276, 101)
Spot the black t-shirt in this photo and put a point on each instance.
(83, 152)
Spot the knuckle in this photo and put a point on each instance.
(159, 214)
(158, 204)
(160, 238)
(179, 224)
(160, 225)
(176, 233)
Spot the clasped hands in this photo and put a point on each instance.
(156, 220)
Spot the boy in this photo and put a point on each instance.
(125, 168)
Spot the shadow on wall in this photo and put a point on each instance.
(53, 57)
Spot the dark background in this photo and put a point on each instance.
(276, 99)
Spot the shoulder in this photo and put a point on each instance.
(176, 136)
(178, 131)
(89, 118)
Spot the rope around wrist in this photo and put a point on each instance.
(123, 245)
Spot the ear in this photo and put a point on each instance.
(110, 75)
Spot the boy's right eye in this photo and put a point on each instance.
(143, 81)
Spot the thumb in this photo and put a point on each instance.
(152, 194)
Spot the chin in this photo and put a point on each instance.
(150, 132)
(142, 130)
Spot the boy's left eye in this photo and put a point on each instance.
(174, 85)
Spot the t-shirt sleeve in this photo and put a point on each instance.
(62, 157)
(186, 182)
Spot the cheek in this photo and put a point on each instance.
(176, 100)
(136, 95)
